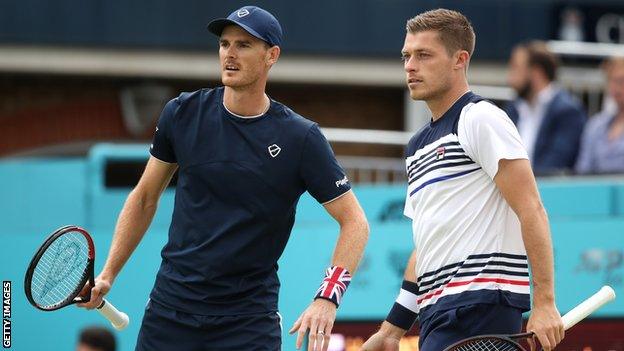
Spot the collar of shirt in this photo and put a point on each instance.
(542, 99)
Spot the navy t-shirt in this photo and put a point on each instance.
(239, 182)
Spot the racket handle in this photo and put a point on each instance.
(588, 306)
(118, 319)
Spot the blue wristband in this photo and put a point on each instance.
(404, 312)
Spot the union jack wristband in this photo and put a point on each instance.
(334, 284)
(405, 310)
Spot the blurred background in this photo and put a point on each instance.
(82, 84)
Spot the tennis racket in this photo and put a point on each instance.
(59, 271)
(509, 342)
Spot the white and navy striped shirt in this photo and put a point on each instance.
(468, 239)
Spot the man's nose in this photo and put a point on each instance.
(411, 65)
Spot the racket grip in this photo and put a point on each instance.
(118, 319)
(588, 306)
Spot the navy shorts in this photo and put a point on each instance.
(445, 328)
(166, 329)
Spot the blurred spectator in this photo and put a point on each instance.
(602, 145)
(550, 120)
(571, 28)
(96, 339)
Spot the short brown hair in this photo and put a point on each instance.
(540, 56)
(98, 338)
(455, 30)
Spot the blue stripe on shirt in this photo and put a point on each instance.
(439, 179)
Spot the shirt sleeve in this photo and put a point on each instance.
(488, 135)
(408, 211)
(162, 143)
(323, 177)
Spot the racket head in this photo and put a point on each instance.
(60, 268)
(490, 343)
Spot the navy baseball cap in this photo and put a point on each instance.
(256, 21)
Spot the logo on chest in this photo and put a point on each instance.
(440, 152)
(274, 150)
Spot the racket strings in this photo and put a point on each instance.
(57, 279)
(60, 270)
(63, 270)
(488, 344)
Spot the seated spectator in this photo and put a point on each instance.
(549, 119)
(602, 145)
(96, 339)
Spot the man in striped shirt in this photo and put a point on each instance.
(474, 204)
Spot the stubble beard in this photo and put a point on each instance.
(239, 84)
(430, 94)
(243, 83)
(524, 92)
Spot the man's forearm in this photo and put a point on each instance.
(538, 245)
(388, 328)
(350, 246)
(133, 221)
(410, 270)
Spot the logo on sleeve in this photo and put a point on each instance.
(342, 181)
(274, 150)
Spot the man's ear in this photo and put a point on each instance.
(462, 58)
(273, 54)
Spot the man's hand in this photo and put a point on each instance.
(386, 339)
(545, 322)
(101, 288)
(318, 318)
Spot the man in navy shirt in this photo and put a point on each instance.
(243, 161)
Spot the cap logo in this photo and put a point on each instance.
(242, 13)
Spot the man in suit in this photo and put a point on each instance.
(549, 119)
